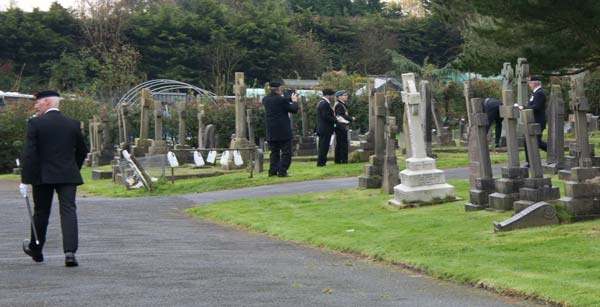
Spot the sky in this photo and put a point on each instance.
(28, 5)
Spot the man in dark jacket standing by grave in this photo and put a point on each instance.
(537, 103)
(341, 128)
(279, 129)
(491, 107)
(325, 125)
(52, 157)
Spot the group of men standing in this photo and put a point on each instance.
(332, 117)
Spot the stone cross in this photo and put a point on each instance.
(480, 122)
(468, 93)
(580, 106)
(390, 165)
(507, 76)
(250, 121)
(92, 134)
(180, 105)
(413, 100)
(471, 139)
(370, 93)
(380, 113)
(201, 117)
(531, 129)
(304, 114)
(158, 125)
(240, 106)
(372, 177)
(145, 101)
(555, 156)
(426, 114)
(123, 114)
(510, 113)
(522, 80)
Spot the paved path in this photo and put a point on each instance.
(145, 252)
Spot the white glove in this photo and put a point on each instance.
(24, 189)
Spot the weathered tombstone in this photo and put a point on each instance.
(308, 144)
(390, 164)
(522, 78)
(92, 134)
(201, 118)
(240, 141)
(124, 141)
(507, 187)
(250, 122)
(484, 184)
(141, 144)
(426, 117)
(472, 152)
(536, 188)
(367, 143)
(420, 181)
(209, 137)
(555, 157)
(372, 177)
(539, 214)
(182, 151)
(443, 135)
(159, 146)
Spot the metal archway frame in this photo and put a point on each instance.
(132, 96)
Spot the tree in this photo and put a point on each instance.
(557, 37)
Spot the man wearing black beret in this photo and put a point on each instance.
(279, 129)
(52, 157)
(326, 121)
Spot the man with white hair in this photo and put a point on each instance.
(537, 103)
(52, 157)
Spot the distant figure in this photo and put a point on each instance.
(491, 107)
(341, 128)
(52, 157)
(279, 129)
(325, 125)
(537, 103)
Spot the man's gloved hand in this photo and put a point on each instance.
(24, 189)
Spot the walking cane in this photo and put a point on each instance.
(25, 194)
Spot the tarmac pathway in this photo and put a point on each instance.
(145, 252)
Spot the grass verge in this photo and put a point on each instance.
(558, 263)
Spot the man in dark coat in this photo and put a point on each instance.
(491, 107)
(325, 125)
(278, 128)
(341, 128)
(52, 157)
(537, 103)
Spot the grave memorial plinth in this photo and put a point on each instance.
(373, 171)
(507, 187)
(484, 185)
(420, 181)
(141, 144)
(390, 164)
(307, 145)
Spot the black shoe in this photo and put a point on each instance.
(284, 175)
(70, 260)
(36, 255)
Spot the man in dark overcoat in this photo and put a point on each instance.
(325, 125)
(537, 103)
(341, 128)
(279, 129)
(52, 157)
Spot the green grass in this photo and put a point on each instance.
(557, 263)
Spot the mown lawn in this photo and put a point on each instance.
(558, 263)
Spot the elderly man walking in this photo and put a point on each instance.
(52, 157)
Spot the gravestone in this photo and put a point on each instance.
(555, 157)
(426, 115)
(472, 151)
(159, 146)
(536, 188)
(390, 164)
(484, 184)
(93, 136)
(141, 144)
(250, 122)
(201, 117)
(464, 136)
(420, 181)
(507, 187)
(443, 135)
(209, 137)
(539, 214)
(182, 151)
(240, 141)
(373, 171)
(522, 78)
(307, 146)
(366, 141)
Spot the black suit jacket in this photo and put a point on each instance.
(537, 102)
(341, 109)
(325, 118)
(54, 150)
(278, 125)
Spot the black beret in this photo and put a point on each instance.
(328, 92)
(535, 78)
(45, 94)
(274, 84)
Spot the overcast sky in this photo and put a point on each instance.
(28, 5)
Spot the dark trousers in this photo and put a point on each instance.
(495, 118)
(323, 149)
(281, 157)
(42, 199)
(341, 146)
(541, 144)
